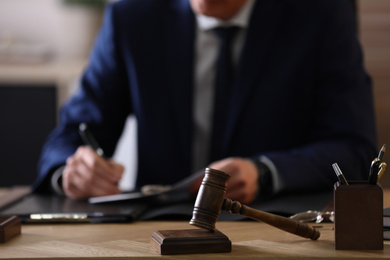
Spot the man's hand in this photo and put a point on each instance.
(87, 174)
(243, 184)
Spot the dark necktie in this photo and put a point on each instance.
(223, 90)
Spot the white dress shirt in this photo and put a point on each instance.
(206, 51)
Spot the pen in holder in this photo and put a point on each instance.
(358, 211)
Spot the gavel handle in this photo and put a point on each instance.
(290, 225)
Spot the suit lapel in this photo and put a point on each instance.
(264, 22)
(178, 46)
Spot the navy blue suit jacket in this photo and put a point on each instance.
(303, 98)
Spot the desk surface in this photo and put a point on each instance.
(250, 240)
(110, 241)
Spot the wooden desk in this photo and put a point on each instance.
(250, 240)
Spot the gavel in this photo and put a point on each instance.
(211, 200)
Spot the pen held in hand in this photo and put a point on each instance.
(90, 140)
(339, 174)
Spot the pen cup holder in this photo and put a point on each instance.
(358, 211)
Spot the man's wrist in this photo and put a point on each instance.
(265, 178)
(56, 181)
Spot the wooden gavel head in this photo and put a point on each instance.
(210, 199)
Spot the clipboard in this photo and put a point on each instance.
(49, 208)
(174, 202)
(158, 194)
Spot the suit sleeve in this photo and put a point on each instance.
(102, 101)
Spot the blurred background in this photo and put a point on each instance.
(44, 46)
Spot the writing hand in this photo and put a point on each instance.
(87, 174)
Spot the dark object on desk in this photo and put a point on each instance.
(358, 216)
(127, 208)
(211, 199)
(10, 227)
(189, 241)
(44, 208)
(386, 224)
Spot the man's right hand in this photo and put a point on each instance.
(87, 174)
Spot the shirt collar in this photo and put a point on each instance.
(241, 19)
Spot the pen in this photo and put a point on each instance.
(92, 217)
(374, 169)
(59, 217)
(90, 140)
(382, 152)
(382, 168)
(339, 174)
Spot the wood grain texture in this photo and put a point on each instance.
(358, 205)
(280, 222)
(10, 227)
(250, 240)
(189, 241)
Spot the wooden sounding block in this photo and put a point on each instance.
(9, 227)
(190, 241)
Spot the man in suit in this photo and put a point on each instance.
(300, 98)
